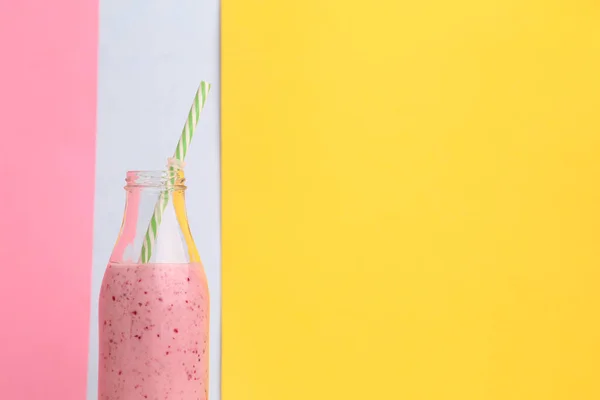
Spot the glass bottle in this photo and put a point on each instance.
(154, 316)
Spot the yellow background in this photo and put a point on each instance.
(411, 199)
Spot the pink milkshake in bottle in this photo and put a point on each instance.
(154, 313)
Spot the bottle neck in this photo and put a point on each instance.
(155, 218)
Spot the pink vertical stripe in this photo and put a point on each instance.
(47, 138)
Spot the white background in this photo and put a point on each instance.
(153, 54)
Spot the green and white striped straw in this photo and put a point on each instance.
(180, 152)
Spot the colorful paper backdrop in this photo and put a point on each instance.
(48, 63)
(410, 200)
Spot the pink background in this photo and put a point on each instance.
(48, 52)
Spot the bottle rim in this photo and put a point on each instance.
(162, 179)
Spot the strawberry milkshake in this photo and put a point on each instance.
(153, 322)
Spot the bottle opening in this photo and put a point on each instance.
(165, 180)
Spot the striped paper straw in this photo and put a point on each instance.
(180, 152)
